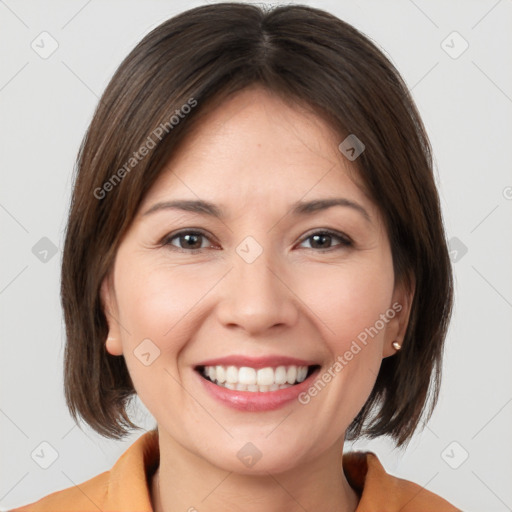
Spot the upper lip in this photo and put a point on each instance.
(256, 362)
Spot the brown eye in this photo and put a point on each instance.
(187, 241)
(323, 240)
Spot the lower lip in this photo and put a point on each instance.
(256, 401)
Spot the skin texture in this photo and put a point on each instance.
(253, 156)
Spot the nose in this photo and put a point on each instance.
(257, 296)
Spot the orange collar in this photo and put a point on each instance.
(126, 487)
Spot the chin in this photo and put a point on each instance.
(268, 463)
(258, 455)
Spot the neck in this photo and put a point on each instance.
(181, 482)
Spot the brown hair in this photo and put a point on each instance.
(305, 55)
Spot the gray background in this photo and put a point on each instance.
(465, 99)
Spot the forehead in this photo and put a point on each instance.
(254, 147)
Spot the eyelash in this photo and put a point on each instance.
(345, 240)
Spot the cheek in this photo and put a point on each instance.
(155, 302)
(348, 299)
(165, 304)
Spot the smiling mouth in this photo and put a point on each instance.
(256, 380)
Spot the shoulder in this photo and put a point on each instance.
(89, 495)
(382, 492)
(125, 487)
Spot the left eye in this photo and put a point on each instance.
(192, 241)
(320, 237)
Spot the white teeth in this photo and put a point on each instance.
(280, 376)
(291, 374)
(221, 374)
(265, 376)
(301, 373)
(250, 379)
(232, 374)
(247, 376)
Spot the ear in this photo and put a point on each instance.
(107, 294)
(396, 328)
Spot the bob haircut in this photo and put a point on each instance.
(310, 58)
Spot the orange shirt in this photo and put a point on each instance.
(125, 488)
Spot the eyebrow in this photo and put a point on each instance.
(299, 208)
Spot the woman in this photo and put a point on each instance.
(255, 248)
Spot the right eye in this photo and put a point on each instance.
(188, 241)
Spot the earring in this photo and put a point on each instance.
(396, 345)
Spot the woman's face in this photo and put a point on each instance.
(261, 286)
